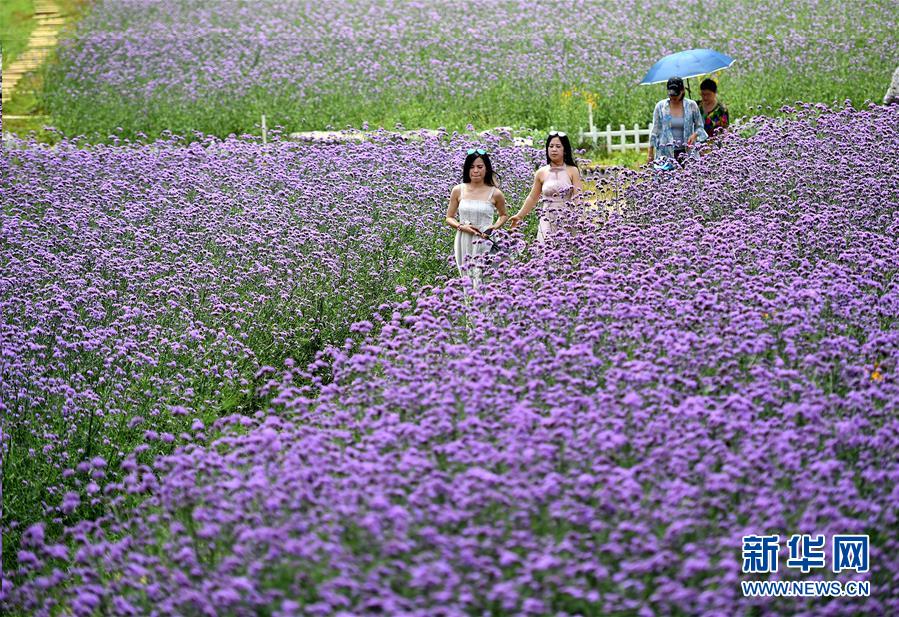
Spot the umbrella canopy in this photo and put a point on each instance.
(686, 64)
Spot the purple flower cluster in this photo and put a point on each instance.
(591, 432)
(216, 65)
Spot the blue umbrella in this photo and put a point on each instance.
(685, 64)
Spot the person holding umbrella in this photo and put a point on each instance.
(672, 70)
(676, 125)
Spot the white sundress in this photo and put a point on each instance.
(478, 213)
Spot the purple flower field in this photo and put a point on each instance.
(215, 66)
(590, 433)
(147, 288)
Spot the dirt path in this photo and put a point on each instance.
(40, 44)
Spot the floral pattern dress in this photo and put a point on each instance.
(716, 120)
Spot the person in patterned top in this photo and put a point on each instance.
(676, 125)
(714, 113)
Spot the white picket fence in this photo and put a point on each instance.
(620, 140)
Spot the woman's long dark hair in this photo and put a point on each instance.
(489, 180)
(567, 152)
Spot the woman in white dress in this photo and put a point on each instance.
(471, 208)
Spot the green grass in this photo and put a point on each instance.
(629, 158)
(97, 113)
(16, 24)
(23, 102)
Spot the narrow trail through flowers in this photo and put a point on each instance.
(41, 42)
